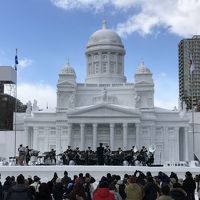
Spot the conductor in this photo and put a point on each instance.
(100, 156)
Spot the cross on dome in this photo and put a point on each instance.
(142, 68)
(68, 69)
(104, 24)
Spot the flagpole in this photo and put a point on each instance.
(15, 137)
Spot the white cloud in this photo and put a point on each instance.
(44, 94)
(165, 98)
(180, 17)
(141, 23)
(97, 4)
(177, 16)
(126, 4)
(73, 4)
(24, 63)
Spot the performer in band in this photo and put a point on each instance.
(107, 154)
(135, 154)
(28, 157)
(69, 149)
(22, 153)
(65, 158)
(100, 151)
(53, 156)
(143, 156)
(150, 159)
(120, 156)
(89, 154)
(77, 156)
(132, 150)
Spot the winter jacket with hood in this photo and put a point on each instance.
(133, 192)
(164, 197)
(178, 194)
(19, 192)
(103, 194)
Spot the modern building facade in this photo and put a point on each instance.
(189, 84)
(8, 103)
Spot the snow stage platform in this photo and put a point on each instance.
(46, 172)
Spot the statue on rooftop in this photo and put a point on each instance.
(29, 107)
(35, 106)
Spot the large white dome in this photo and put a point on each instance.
(104, 37)
(105, 57)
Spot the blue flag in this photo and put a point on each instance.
(16, 60)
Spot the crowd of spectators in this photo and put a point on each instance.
(138, 186)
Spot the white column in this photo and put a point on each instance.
(35, 138)
(167, 146)
(137, 135)
(69, 134)
(94, 137)
(109, 62)
(31, 137)
(47, 129)
(26, 130)
(117, 68)
(177, 143)
(112, 136)
(152, 134)
(125, 136)
(28, 135)
(82, 128)
(187, 143)
(58, 139)
(100, 64)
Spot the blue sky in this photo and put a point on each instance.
(48, 32)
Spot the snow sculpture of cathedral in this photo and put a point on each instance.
(107, 109)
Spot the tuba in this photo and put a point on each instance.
(152, 148)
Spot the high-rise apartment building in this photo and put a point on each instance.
(189, 83)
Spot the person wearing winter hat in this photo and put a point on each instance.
(189, 185)
(36, 183)
(133, 190)
(165, 189)
(151, 189)
(121, 188)
(113, 189)
(102, 192)
(20, 190)
(58, 189)
(177, 192)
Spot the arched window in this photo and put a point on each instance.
(104, 67)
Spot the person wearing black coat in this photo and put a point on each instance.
(121, 189)
(6, 186)
(1, 193)
(58, 190)
(100, 156)
(19, 191)
(151, 190)
(44, 192)
(189, 186)
(177, 192)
